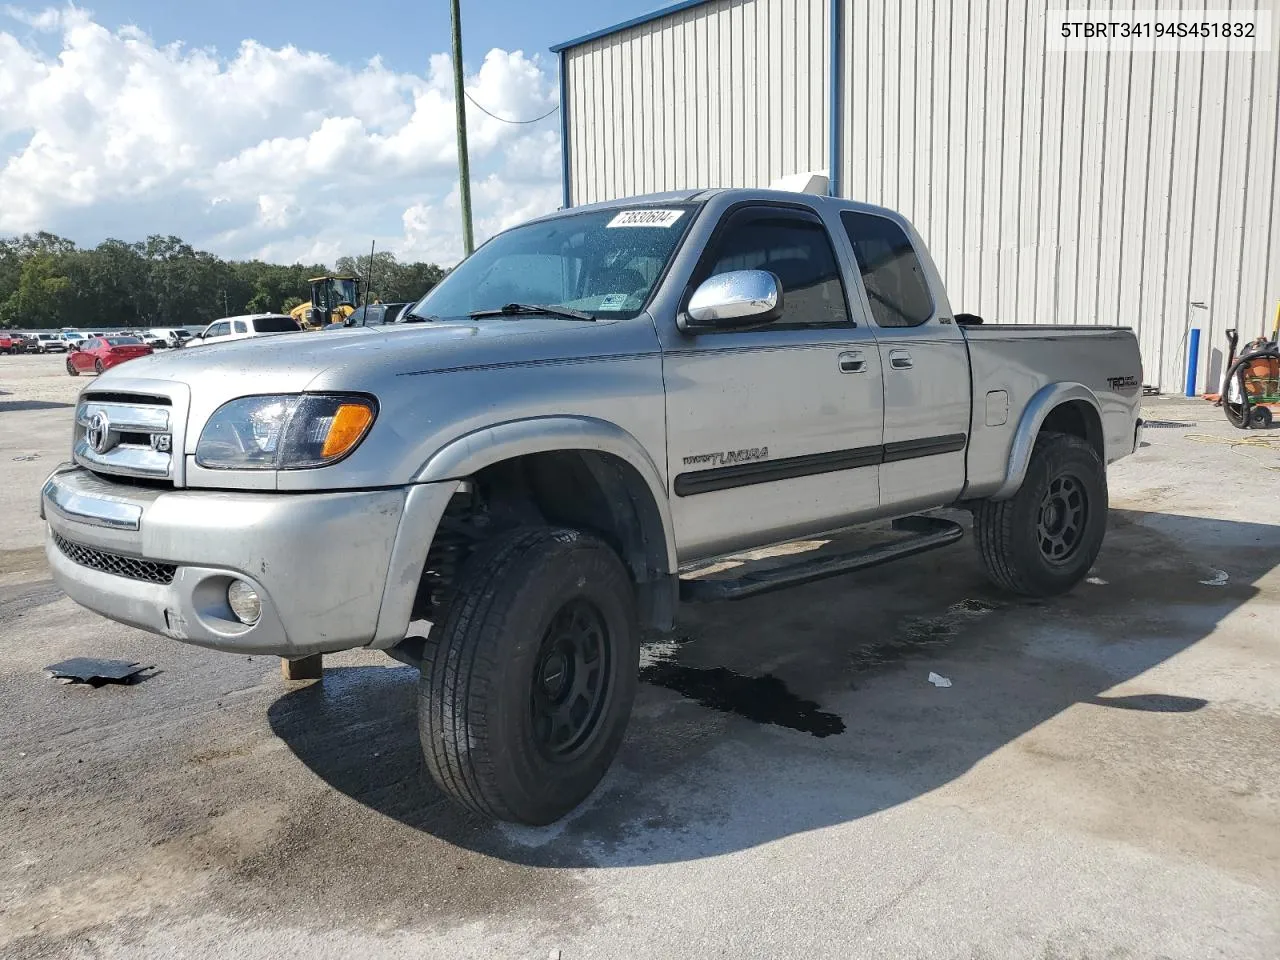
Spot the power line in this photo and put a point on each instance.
(504, 119)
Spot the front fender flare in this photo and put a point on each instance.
(1041, 404)
(466, 455)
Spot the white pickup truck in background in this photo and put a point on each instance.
(588, 406)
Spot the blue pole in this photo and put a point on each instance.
(565, 192)
(833, 103)
(1193, 360)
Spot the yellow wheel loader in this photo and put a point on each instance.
(332, 298)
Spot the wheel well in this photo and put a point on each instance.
(1080, 419)
(583, 489)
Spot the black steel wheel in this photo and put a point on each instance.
(1043, 540)
(570, 680)
(528, 681)
(1064, 515)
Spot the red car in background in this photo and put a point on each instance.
(100, 354)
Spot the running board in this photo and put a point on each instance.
(930, 533)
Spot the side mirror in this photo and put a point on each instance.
(735, 300)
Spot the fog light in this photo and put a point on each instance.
(244, 602)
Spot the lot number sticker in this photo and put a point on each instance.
(646, 218)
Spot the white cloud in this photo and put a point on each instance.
(280, 153)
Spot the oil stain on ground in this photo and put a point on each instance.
(919, 635)
(763, 699)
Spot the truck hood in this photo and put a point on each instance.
(350, 359)
(384, 363)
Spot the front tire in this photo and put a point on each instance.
(527, 685)
(1043, 540)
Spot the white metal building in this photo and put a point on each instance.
(1083, 187)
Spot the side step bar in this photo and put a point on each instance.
(930, 533)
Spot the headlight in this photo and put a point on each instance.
(284, 432)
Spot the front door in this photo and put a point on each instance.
(773, 433)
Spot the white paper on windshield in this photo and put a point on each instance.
(646, 218)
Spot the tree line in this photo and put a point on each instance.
(46, 281)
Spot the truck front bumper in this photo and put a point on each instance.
(333, 570)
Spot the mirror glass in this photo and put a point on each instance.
(737, 298)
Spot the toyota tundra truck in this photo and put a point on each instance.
(512, 485)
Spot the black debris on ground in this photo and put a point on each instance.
(96, 672)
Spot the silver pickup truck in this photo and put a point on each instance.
(587, 408)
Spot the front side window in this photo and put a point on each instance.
(219, 330)
(605, 263)
(797, 251)
(891, 271)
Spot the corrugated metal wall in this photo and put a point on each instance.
(1087, 188)
(1097, 187)
(728, 93)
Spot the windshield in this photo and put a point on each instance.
(604, 263)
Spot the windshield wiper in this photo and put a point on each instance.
(531, 309)
(412, 317)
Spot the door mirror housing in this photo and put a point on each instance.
(735, 300)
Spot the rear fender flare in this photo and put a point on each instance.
(1041, 404)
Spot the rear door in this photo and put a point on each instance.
(773, 432)
(925, 359)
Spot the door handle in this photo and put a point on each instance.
(900, 360)
(852, 361)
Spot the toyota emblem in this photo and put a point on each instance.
(98, 433)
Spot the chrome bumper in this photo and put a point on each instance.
(334, 570)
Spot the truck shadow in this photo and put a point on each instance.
(708, 768)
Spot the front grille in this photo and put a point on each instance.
(145, 570)
(126, 434)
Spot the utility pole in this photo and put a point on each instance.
(464, 164)
(368, 283)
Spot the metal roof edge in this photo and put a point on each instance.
(633, 22)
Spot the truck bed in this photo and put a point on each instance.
(1019, 360)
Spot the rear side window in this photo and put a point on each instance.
(240, 327)
(795, 249)
(274, 324)
(891, 271)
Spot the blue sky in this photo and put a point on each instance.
(402, 33)
(269, 129)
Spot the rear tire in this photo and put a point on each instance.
(1044, 539)
(98, 368)
(71, 368)
(527, 684)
